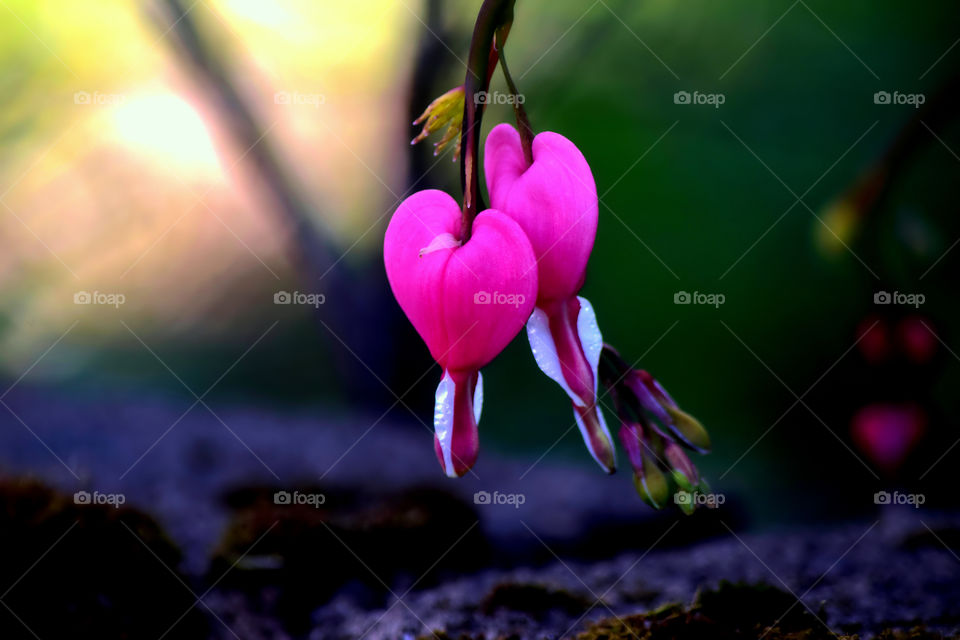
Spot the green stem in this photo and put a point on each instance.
(523, 122)
(494, 15)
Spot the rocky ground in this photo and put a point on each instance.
(861, 578)
(201, 549)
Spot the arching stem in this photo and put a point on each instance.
(494, 15)
(523, 122)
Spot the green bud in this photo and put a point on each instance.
(681, 468)
(689, 429)
(651, 483)
(684, 500)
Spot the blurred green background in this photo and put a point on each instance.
(104, 197)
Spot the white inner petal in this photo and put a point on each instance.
(545, 351)
(478, 398)
(443, 420)
(591, 341)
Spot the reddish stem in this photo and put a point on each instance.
(494, 15)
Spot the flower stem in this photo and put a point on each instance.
(523, 122)
(494, 15)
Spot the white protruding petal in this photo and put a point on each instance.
(591, 341)
(478, 398)
(545, 351)
(443, 420)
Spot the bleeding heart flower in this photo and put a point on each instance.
(467, 300)
(554, 200)
(888, 432)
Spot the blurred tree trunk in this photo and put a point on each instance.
(370, 338)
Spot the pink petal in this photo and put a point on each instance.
(554, 200)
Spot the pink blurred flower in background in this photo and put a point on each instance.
(887, 433)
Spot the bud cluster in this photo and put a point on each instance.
(655, 433)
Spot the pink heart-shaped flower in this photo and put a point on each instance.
(554, 200)
(466, 300)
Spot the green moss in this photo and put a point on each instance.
(917, 633)
(743, 607)
(733, 612)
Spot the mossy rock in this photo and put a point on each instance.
(88, 570)
(306, 553)
(730, 612)
(734, 611)
(917, 633)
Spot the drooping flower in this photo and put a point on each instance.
(467, 300)
(554, 200)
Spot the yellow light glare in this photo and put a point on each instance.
(266, 14)
(169, 130)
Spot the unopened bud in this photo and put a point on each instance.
(682, 469)
(689, 430)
